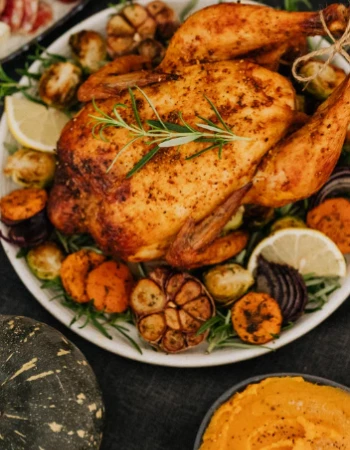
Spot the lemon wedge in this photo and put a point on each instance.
(33, 125)
(308, 251)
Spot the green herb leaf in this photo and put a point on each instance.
(188, 9)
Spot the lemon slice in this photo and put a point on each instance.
(308, 251)
(32, 125)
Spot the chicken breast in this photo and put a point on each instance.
(139, 217)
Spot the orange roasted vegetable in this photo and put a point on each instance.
(74, 272)
(109, 286)
(22, 204)
(332, 217)
(256, 318)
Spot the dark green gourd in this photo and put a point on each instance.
(49, 396)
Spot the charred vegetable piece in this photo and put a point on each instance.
(59, 84)
(152, 49)
(31, 232)
(170, 308)
(286, 285)
(30, 168)
(328, 79)
(165, 17)
(228, 282)
(45, 261)
(128, 28)
(48, 385)
(256, 318)
(89, 48)
(287, 222)
(22, 204)
(338, 185)
(74, 272)
(332, 217)
(109, 286)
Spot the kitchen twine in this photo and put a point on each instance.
(333, 49)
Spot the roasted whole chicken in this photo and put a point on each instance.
(175, 208)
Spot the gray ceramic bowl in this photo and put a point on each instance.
(243, 384)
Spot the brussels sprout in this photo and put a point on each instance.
(152, 49)
(45, 261)
(227, 283)
(30, 168)
(59, 84)
(328, 79)
(235, 221)
(287, 222)
(89, 49)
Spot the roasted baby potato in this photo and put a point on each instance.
(45, 261)
(89, 49)
(30, 168)
(59, 84)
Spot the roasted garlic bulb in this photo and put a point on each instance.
(170, 307)
(135, 23)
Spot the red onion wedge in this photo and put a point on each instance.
(337, 185)
(284, 284)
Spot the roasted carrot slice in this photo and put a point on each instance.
(109, 286)
(74, 272)
(22, 204)
(256, 318)
(332, 217)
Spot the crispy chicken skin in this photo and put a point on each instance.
(223, 32)
(228, 30)
(138, 218)
(299, 165)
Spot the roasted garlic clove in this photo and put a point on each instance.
(165, 17)
(170, 308)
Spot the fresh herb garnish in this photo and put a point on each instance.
(221, 333)
(292, 5)
(319, 289)
(160, 134)
(188, 9)
(76, 242)
(86, 311)
(11, 147)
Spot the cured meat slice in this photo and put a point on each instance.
(31, 8)
(2, 6)
(43, 17)
(13, 14)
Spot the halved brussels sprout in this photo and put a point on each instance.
(30, 168)
(287, 222)
(328, 79)
(235, 222)
(45, 261)
(228, 282)
(59, 84)
(89, 48)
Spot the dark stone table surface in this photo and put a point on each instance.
(161, 408)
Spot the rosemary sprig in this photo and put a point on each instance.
(161, 134)
(221, 333)
(188, 9)
(319, 289)
(292, 5)
(76, 242)
(99, 319)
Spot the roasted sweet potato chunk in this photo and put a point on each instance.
(257, 318)
(22, 204)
